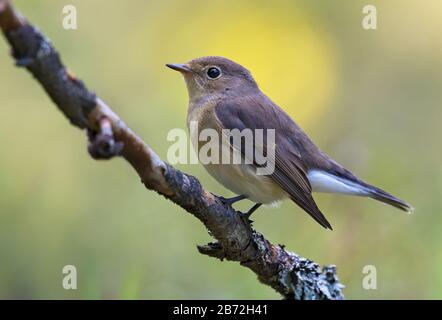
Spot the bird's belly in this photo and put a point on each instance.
(242, 180)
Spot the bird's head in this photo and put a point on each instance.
(215, 76)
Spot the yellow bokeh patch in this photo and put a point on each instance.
(285, 50)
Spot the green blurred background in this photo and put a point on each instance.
(371, 99)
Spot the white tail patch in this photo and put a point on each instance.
(324, 182)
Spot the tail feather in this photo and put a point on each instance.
(383, 196)
(340, 180)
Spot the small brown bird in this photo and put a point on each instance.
(224, 95)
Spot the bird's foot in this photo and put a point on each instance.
(230, 201)
(246, 215)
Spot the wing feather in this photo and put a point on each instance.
(290, 171)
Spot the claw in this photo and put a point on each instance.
(230, 201)
(246, 215)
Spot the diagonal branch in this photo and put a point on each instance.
(289, 274)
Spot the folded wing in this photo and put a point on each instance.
(290, 172)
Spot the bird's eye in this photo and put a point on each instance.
(213, 72)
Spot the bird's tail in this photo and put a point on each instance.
(340, 180)
(383, 196)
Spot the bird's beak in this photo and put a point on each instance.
(183, 68)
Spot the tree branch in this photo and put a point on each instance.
(289, 274)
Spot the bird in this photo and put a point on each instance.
(224, 95)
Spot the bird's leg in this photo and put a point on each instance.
(231, 201)
(246, 215)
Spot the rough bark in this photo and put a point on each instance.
(289, 274)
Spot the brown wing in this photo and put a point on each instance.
(258, 112)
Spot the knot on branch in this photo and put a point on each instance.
(212, 249)
(102, 144)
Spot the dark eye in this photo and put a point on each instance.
(213, 72)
